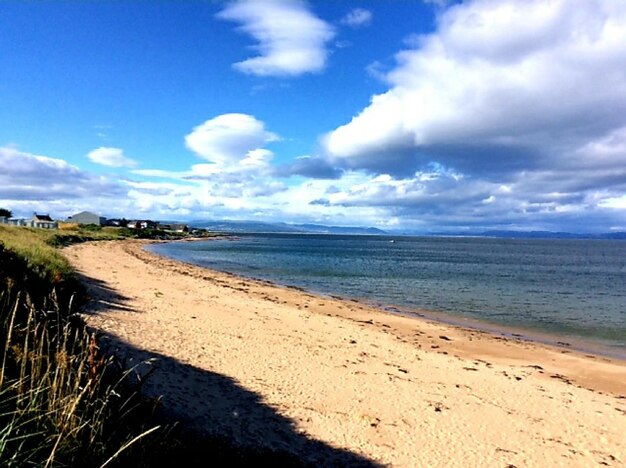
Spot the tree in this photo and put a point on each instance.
(4, 213)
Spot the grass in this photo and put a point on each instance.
(33, 246)
(61, 402)
(39, 247)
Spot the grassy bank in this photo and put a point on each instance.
(61, 402)
(34, 247)
(38, 247)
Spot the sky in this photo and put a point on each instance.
(426, 115)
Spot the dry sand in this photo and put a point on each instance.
(337, 382)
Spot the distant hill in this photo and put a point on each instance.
(322, 229)
(285, 228)
(241, 226)
(257, 226)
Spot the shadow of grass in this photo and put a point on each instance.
(221, 422)
(100, 296)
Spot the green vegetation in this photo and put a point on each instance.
(61, 402)
(37, 247)
(32, 245)
(4, 213)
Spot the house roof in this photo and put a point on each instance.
(39, 217)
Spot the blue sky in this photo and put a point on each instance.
(436, 115)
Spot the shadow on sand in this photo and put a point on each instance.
(218, 413)
(102, 297)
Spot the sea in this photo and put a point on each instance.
(570, 292)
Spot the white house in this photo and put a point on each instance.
(42, 222)
(141, 224)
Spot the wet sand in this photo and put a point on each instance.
(337, 381)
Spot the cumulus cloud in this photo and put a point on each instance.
(31, 183)
(501, 86)
(357, 17)
(230, 138)
(512, 114)
(291, 39)
(238, 165)
(111, 157)
(235, 182)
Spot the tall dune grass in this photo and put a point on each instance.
(61, 402)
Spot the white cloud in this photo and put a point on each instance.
(616, 202)
(230, 138)
(512, 115)
(111, 157)
(238, 164)
(291, 39)
(357, 17)
(500, 86)
(432, 199)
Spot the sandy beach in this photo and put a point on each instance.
(336, 382)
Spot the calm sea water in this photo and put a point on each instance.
(563, 288)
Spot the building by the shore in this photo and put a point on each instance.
(42, 221)
(87, 217)
(142, 224)
(173, 227)
(14, 221)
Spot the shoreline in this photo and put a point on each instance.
(559, 342)
(507, 335)
(564, 342)
(399, 391)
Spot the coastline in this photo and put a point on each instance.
(452, 325)
(560, 340)
(563, 343)
(509, 378)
